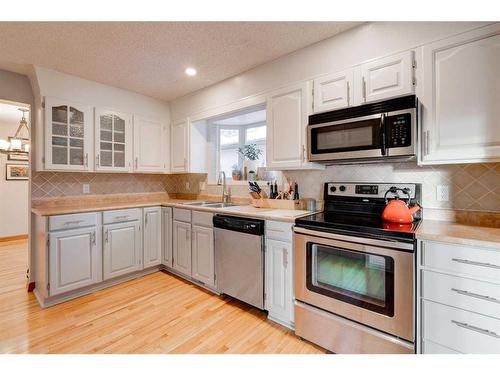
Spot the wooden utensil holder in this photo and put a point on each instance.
(283, 204)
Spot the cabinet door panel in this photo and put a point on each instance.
(333, 91)
(182, 247)
(286, 124)
(388, 77)
(122, 249)
(149, 145)
(113, 140)
(203, 255)
(152, 236)
(68, 135)
(279, 294)
(180, 147)
(75, 259)
(167, 236)
(460, 98)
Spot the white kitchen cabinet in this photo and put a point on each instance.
(150, 139)
(333, 91)
(460, 96)
(203, 262)
(122, 249)
(287, 111)
(181, 249)
(279, 299)
(68, 135)
(180, 147)
(152, 236)
(166, 224)
(113, 141)
(75, 259)
(384, 78)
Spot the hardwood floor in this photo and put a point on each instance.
(158, 313)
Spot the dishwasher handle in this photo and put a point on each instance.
(239, 224)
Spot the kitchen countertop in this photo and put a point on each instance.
(459, 233)
(51, 208)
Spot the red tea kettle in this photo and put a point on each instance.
(397, 210)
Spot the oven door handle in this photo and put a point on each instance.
(382, 134)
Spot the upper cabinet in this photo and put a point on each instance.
(149, 145)
(113, 141)
(385, 78)
(180, 147)
(333, 91)
(460, 98)
(286, 123)
(68, 135)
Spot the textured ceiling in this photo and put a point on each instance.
(150, 57)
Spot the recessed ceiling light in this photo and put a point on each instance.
(190, 71)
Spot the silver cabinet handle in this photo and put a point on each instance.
(475, 295)
(187, 235)
(121, 217)
(93, 238)
(473, 263)
(73, 222)
(348, 94)
(426, 142)
(285, 257)
(107, 236)
(136, 162)
(476, 329)
(86, 160)
(303, 153)
(97, 160)
(146, 219)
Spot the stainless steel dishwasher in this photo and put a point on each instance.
(239, 258)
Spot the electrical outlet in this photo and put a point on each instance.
(443, 193)
(86, 188)
(188, 185)
(203, 185)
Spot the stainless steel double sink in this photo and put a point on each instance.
(211, 204)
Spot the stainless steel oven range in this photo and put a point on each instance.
(355, 274)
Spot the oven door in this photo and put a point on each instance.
(368, 281)
(361, 137)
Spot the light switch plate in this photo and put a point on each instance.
(188, 185)
(442, 193)
(86, 188)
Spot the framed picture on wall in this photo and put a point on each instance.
(16, 172)
(18, 156)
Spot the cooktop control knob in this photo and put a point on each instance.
(333, 189)
(342, 188)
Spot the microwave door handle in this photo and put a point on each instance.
(382, 135)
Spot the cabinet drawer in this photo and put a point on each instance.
(467, 294)
(73, 221)
(119, 216)
(182, 215)
(276, 230)
(203, 218)
(429, 347)
(460, 330)
(478, 262)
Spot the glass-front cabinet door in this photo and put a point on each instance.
(359, 278)
(68, 134)
(113, 140)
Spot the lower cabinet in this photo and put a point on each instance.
(122, 251)
(166, 224)
(75, 259)
(152, 236)
(181, 249)
(203, 255)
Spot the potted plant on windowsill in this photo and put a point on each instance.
(251, 155)
(236, 173)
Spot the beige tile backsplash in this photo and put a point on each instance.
(472, 186)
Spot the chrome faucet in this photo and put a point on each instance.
(222, 181)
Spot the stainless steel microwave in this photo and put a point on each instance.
(381, 131)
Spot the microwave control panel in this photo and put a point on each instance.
(399, 130)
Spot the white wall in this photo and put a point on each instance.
(368, 41)
(47, 82)
(14, 194)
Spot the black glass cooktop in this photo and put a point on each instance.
(358, 225)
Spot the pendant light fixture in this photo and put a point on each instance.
(20, 142)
